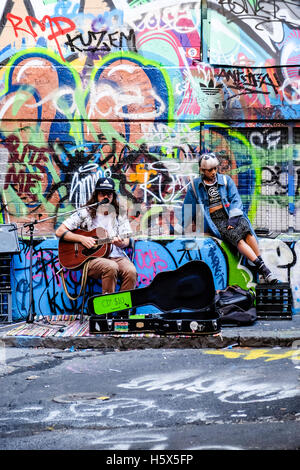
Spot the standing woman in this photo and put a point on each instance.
(106, 216)
(223, 213)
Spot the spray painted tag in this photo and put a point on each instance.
(112, 303)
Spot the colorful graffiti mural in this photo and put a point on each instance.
(151, 257)
(135, 90)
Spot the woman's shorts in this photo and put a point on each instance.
(233, 235)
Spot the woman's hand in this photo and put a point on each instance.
(233, 222)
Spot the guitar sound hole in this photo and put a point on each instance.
(90, 251)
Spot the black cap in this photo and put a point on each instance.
(105, 184)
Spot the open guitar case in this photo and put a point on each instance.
(184, 296)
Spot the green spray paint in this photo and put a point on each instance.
(238, 274)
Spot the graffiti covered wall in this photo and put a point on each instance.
(135, 90)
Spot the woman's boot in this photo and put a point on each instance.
(264, 271)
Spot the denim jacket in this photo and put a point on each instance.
(231, 201)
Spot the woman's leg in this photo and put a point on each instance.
(252, 253)
(252, 242)
(246, 250)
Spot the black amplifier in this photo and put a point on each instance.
(9, 242)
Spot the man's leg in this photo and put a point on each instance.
(127, 273)
(107, 270)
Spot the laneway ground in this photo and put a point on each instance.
(162, 399)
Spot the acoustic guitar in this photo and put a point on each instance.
(72, 255)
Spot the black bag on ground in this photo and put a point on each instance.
(236, 306)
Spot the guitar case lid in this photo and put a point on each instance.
(191, 287)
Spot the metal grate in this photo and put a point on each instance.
(5, 281)
(5, 307)
(263, 164)
(274, 301)
(5, 289)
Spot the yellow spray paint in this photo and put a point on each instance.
(253, 354)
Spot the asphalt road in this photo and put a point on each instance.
(207, 399)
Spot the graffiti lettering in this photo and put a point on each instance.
(182, 19)
(25, 170)
(266, 11)
(83, 183)
(114, 40)
(150, 261)
(247, 8)
(277, 176)
(248, 82)
(271, 140)
(216, 265)
(16, 21)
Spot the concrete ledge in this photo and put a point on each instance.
(262, 334)
(227, 338)
(116, 342)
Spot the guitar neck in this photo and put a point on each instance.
(101, 241)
